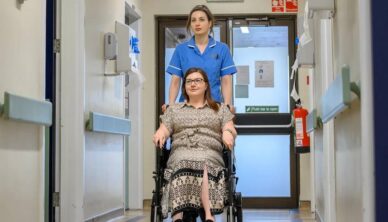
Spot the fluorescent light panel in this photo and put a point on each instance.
(244, 29)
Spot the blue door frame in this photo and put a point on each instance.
(380, 80)
(50, 92)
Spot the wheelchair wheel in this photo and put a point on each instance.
(234, 213)
(156, 214)
(230, 216)
(239, 212)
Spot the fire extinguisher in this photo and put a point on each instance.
(301, 138)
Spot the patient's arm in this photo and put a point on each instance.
(161, 136)
(229, 134)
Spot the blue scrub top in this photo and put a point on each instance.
(216, 60)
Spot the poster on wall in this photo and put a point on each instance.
(242, 77)
(264, 74)
(277, 5)
(291, 5)
(242, 82)
(241, 91)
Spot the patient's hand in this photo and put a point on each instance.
(159, 138)
(228, 139)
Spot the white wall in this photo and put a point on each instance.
(348, 124)
(22, 72)
(173, 7)
(104, 153)
(318, 134)
(71, 108)
(135, 112)
(92, 180)
(348, 198)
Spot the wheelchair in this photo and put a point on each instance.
(233, 205)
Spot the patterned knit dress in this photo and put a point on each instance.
(197, 142)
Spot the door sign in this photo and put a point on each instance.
(291, 5)
(277, 5)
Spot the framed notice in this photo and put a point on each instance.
(278, 5)
(264, 74)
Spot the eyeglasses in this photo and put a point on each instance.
(195, 81)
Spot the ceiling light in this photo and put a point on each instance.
(244, 29)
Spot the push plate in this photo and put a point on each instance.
(108, 124)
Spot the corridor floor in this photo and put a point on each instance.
(292, 215)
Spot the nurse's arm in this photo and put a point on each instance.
(174, 88)
(226, 88)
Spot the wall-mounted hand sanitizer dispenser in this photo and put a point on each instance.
(110, 46)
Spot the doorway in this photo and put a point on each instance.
(263, 51)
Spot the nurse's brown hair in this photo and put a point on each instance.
(209, 15)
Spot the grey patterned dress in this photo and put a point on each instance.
(197, 141)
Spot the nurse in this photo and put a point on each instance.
(203, 51)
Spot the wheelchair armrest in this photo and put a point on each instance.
(228, 156)
(161, 158)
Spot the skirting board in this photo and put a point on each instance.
(107, 216)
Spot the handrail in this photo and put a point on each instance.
(313, 121)
(337, 97)
(355, 89)
(25, 109)
(102, 123)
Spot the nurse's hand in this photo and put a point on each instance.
(164, 107)
(231, 108)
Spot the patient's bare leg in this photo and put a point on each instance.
(205, 195)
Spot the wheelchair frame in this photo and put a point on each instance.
(234, 204)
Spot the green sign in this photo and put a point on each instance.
(261, 109)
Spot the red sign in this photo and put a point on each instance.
(291, 5)
(277, 5)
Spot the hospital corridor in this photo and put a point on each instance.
(193, 110)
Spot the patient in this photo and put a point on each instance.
(195, 171)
